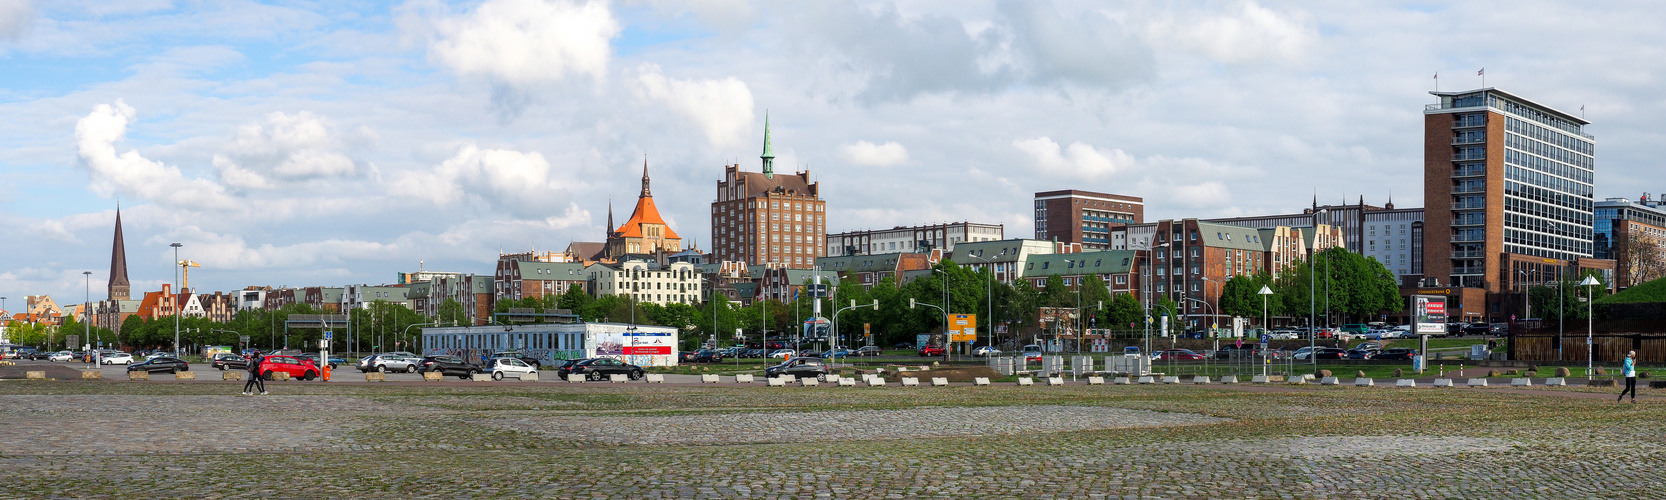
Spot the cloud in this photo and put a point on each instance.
(1088, 49)
(1079, 160)
(525, 43)
(131, 174)
(877, 155)
(522, 183)
(286, 149)
(721, 108)
(1250, 33)
(15, 16)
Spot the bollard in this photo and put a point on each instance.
(1122, 381)
(980, 381)
(1406, 382)
(1229, 379)
(1200, 379)
(91, 374)
(618, 378)
(1096, 380)
(807, 382)
(1364, 382)
(910, 382)
(375, 377)
(1055, 380)
(708, 378)
(656, 378)
(744, 378)
(1443, 382)
(876, 382)
(1025, 381)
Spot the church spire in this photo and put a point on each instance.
(119, 286)
(610, 226)
(645, 193)
(769, 152)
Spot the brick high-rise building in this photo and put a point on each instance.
(1505, 181)
(767, 219)
(1084, 217)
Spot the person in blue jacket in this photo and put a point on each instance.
(1630, 371)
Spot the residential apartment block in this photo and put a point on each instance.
(764, 218)
(911, 239)
(866, 270)
(1084, 217)
(646, 281)
(519, 279)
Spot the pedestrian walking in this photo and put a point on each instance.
(255, 380)
(1630, 371)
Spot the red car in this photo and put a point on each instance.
(931, 350)
(1177, 355)
(297, 367)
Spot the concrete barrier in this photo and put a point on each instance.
(579, 379)
(231, 375)
(1443, 382)
(91, 374)
(1477, 382)
(432, 376)
(980, 380)
(939, 381)
(789, 378)
(618, 378)
(1405, 382)
(744, 378)
(847, 382)
(1259, 379)
(1556, 381)
(1297, 381)
(876, 382)
(1200, 379)
(1122, 381)
(138, 375)
(910, 382)
(1055, 380)
(1148, 380)
(186, 375)
(34, 375)
(708, 379)
(833, 378)
(529, 377)
(1025, 381)
(1171, 379)
(1229, 379)
(1330, 381)
(775, 382)
(1521, 382)
(1096, 380)
(1364, 382)
(478, 377)
(807, 382)
(656, 378)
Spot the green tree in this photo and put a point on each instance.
(575, 299)
(451, 312)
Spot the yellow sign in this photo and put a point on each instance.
(963, 328)
(867, 329)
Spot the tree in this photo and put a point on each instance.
(451, 312)
(1642, 258)
(1123, 312)
(575, 299)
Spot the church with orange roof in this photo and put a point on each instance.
(645, 233)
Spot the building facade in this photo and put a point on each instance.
(1192, 259)
(867, 270)
(1084, 217)
(764, 218)
(521, 279)
(645, 232)
(1634, 235)
(1503, 175)
(911, 239)
(1394, 237)
(1005, 257)
(646, 281)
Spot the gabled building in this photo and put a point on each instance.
(764, 218)
(646, 232)
(646, 281)
(867, 270)
(522, 279)
(1119, 269)
(1007, 257)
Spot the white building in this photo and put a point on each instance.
(915, 239)
(640, 345)
(1395, 238)
(646, 281)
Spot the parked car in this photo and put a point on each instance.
(931, 350)
(904, 345)
(1329, 353)
(865, 351)
(1302, 354)
(334, 361)
(601, 369)
(800, 368)
(566, 367)
(1357, 353)
(228, 361)
(510, 367)
(162, 364)
(1032, 352)
(986, 351)
(838, 352)
(1477, 329)
(448, 366)
(297, 367)
(1357, 328)
(1400, 354)
(782, 353)
(38, 355)
(119, 358)
(534, 362)
(708, 356)
(1176, 355)
(389, 362)
(65, 356)
(1239, 352)
(1284, 335)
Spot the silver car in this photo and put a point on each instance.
(394, 363)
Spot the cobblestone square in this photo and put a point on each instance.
(119, 439)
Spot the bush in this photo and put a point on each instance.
(1324, 373)
(1562, 371)
(1398, 373)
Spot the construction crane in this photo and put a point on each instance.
(185, 268)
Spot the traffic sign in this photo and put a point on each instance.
(328, 335)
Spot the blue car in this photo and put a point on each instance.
(836, 353)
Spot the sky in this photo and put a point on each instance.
(330, 143)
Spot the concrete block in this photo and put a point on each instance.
(91, 374)
(1122, 381)
(34, 375)
(776, 382)
(1026, 381)
(1148, 380)
(789, 378)
(1405, 382)
(1171, 379)
(939, 381)
(1096, 380)
(1200, 379)
(186, 375)
(744, 378)
(1055, 380)
(876, 382)
(231, 375)
(432, 376)
(708, 379)
(1556, 381)
(1259, 379)
(1297, 381)
(1330, 381)
(847, 382)
(138, 375)
(656, 378)
(833, 378)
(478, 377)
(579, 379)
(1443, 382)
(529, 377)
(807, 382)
(280, 375)
(1477, 382)
(1229, 379)
(1521, 382)
(618, 378)
(980, 380)
(910, 382)
(1364, 382)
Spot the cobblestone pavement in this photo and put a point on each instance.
(73, 439)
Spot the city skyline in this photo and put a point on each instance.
(286, 147)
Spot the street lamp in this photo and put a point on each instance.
(1590, 299)
(1147, 274)
(989, 295)
(175, 299)
(1526, 297)
(834, 339)
(1265, 291)
(947, 343)
(88, 311)
(1312, 292)
(1076, 337)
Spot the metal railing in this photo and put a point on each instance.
(1459, 141)
(1469, 156)
(1469, 172)
(1469, 189)
(1467, 238)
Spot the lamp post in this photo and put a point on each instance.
(1147, 274)
(1265, 291)
(175, 299)
(1312, 302)
(834, 339)
(989, 295)
(945, 309)
(1590, 300)
(88, 289)
(1076, 336)
(1214, 310)
(1526, 300)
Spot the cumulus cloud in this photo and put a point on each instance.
(527, 42)
(877, 155)
(1249, 33)
(1076, 160)
(15, 16)
(523, 183)
(131, 174)
(721, 108)
(286, 148)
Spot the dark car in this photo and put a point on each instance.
(566, 366)
(448, 366)
(1395, 354)
(1361, 354)
(867, 351)
(800, 368)
(706, 356)
(1329, 353)
(904, 345)
(600, 369)
(228, 361)
(334, 361)
(535, 362)
(35, 355)
(162, 364)
(1477, 329)
(1176, 355)
(1454, 328)
(931, 350)
(1243, 352)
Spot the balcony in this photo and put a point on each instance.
(1469, 221)
(1469, 172)
(1475, 270)
(1469, 156)
(1466, 254)
(1460, 141)
(1468, 238)
(1469, 189)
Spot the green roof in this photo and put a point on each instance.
(1070, 264)
(1217, 235)
(1652, 291)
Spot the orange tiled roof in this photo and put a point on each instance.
(645, 213)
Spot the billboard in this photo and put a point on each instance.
(1428, 313)
(816, 329)
(963, 328)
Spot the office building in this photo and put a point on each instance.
(1633, 234)
(915, 239)
(764, 218)
(1085, 217)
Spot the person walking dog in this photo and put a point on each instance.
(254, 377)
(1630, 371)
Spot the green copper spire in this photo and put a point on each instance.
(769, 153)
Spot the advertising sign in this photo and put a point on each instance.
(963, 328)
(1428, 312)
(637, 343)
(922, 340)
(817, 329)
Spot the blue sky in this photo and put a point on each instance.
(326, 143)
